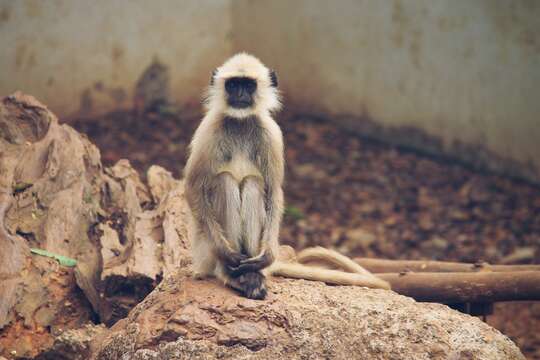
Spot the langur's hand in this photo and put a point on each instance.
(232, 259)
(253, 264)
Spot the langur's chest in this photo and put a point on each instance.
(242, 148)
(240, 167)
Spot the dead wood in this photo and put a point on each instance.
(397, 266)
(450, 282)
(56, 196)
(467, 287)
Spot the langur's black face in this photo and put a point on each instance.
(240, 92)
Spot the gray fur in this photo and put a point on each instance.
(233, 183)
(233, 214)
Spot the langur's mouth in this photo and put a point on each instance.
(240, 104)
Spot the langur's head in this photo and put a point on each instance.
(242, 87)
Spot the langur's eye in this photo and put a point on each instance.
(251, 86)
(230, 86)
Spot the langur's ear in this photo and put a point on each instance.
(273, 78)
(213, 75)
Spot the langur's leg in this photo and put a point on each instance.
(250, 285)
(204, 258)
(253, 214)
(226, 204)
(261, 250)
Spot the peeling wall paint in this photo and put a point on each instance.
(86, 56)
(466, 73)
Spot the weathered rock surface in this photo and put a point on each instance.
(188, 319)
(47, 179)
(56, 196)
(72, 344)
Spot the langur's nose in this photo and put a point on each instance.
(243, 96)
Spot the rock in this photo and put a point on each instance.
(357, 239)
(435, 245)
(310, 171)
(56, 195)
(425, 221)
(49, 180)
(72, 344)
(520, 255)
(459, 215)
(186, 318)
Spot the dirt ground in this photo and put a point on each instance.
(367, 199)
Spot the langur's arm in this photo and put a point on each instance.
(269, 237)
(199, 197)
(256, 263)
(272, 169)
(274, 174)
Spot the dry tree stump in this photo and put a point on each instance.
(55, 195)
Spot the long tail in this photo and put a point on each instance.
(323, 256)
(336, 277)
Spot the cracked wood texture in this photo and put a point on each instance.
(55, 195)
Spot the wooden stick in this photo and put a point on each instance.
(466, 286)
(397, 266)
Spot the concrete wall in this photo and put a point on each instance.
(457, 76)
(77, 53)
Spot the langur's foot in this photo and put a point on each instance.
(253, 285)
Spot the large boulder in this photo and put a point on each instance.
(189, 319)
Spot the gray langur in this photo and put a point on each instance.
(233, 187)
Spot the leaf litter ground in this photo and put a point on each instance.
(366, 198)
